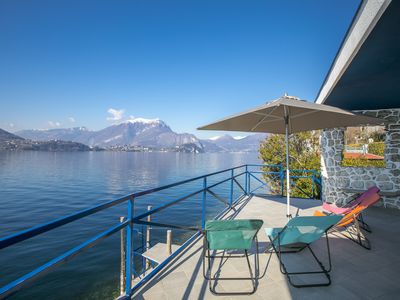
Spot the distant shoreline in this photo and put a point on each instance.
(46, 146)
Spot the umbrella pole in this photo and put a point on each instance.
(287, 169)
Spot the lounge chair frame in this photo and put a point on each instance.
(254, 276)
(363, 224)
(360, 219)
(354, 233)
(325, 271)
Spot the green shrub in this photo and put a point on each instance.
(361, 162)
(304, 155)
(377, 148)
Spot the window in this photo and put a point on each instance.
(364, 147)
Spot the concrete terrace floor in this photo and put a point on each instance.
(357, 273)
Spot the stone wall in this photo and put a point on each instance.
(339, 182)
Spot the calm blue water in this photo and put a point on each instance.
(36, 187)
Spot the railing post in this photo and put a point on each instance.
(231, 196)
(129, 264)
(143, 247)
(282, 179)
(246, 191)
(148, 236)
(203, 212)
(169, 242)
(312, 185)
(320, 186)
(123, 255)
(248, 183)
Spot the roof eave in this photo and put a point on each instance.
(368, 14)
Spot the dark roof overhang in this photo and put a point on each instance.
(371, 80)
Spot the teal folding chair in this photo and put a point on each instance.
(297, 235)
(225, 235)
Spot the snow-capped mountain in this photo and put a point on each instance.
(248, 143)
(153, 133)
(137, 132)
(142, 132)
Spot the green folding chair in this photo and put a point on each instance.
(225, 235)
(297, 235)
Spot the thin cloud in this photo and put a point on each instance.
(54, 124)
(11, 125)
(115, 114)
(71, 119)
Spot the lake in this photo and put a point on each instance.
(37, 187)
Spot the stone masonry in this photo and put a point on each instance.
(339, 182)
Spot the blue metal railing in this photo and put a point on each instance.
(277, 173)
(234, 174)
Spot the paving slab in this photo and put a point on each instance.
(357, 273)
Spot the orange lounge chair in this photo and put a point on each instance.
(357, 199)
(332, 208)
(349, 226)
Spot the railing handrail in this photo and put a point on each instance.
(264, 165)
(23, 235)
(281, 166)
(26, 234)
(42, 228)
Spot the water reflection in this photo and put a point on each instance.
(37, 187)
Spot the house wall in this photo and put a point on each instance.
(339, 182)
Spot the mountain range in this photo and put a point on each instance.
(12, 142)
(7, 136)
(152, 133)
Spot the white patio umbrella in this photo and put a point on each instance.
(287, 115)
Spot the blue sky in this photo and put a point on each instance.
(67, 63)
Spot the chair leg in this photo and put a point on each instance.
(357, 237)
(323, 271)
(361, 237)
(211, 279)
(363, 224)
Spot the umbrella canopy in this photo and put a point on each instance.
(288, 115)
(301, 115)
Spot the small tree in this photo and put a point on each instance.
(303, 154)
